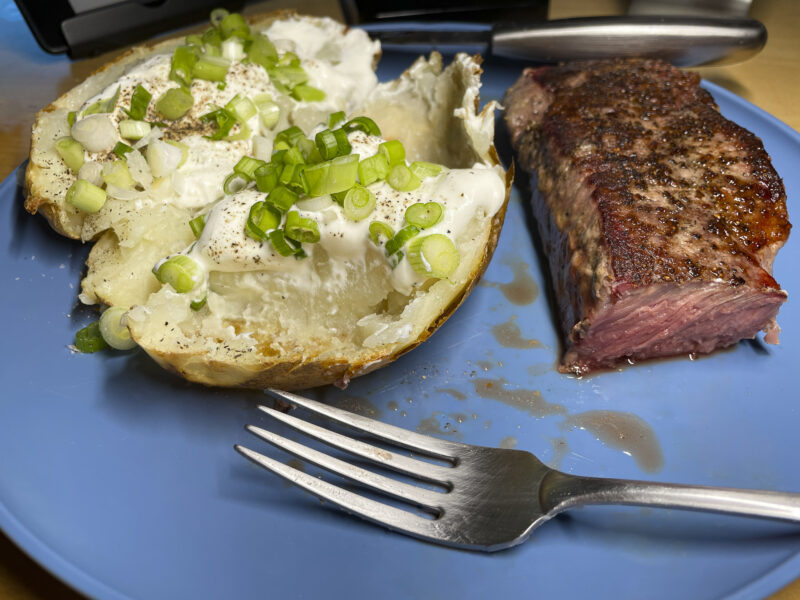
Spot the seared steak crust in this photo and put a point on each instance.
(660, 217)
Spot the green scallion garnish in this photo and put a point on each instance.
(180, 272)
(183, 60)
(393, 151)
(282, 198)
(433, 255)
(402, 179)
(121, 149)
(373, 168)
(424, 214)
(71, 152)
(86, 196)
(401, 238)
(358, 203)
(140, 100)
(197, 225)
(211, 68)
(266, 177)
(424, 169)
(133, 130)
(301, 229)
(174, 103)
(378, 230)
(262, 219)
(113, 331)
(89, 339)
(364, 124)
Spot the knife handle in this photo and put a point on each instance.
(682, 41)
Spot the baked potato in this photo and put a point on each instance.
(396, 199)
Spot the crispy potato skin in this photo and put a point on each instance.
(254, 370)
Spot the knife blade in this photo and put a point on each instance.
(682, 41)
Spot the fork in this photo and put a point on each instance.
(492, 498)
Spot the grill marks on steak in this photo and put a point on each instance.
(660, 217)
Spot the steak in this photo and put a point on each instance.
(660, 217)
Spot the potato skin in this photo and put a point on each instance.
(226, 367)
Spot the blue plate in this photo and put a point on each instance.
(122, 480)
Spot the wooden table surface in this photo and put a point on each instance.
(30, 79)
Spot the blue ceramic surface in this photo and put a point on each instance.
(122, 480)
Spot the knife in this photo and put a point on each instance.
(682, 41)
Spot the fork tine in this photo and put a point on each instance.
(392, 460)
(389, 433)
(374, 511)
(398, 489)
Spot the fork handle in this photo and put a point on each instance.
(560, 491)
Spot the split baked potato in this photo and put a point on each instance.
(183, 230)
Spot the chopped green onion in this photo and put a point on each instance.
(262, 219)
(217, 15)
(335, 118)
(424, 215)
(211, 68)
(86, 196)
(395, 259)
(234, 24)
(372, 169)
(332, 143)
(113, 331)
(301, 229)
(433, 255)
(262, 51)
(364, 124)
(424, 169)
(212, 37)
(339, 197)
(293, 156)
(310, 151)
(71, 152)
(394, 152)
(358, 203)
(327, 144)
(140, 100)
(102, 106)
(269, 114)
(221, 85)
(197, 225)
(174, 103)
(184, 151)
(133, 130)
(290, 135)
(379, 229)
(232, 49)
(329, 177)
(282, 197)
(183, 60)
(400, 238)
(307, 93)
(282, 247)
(194, 39)
(402, 179)
(117, 174)
(241, 107)
(89, 339)
(224, 121)
(286, 77)
(121, 149)
(213, 50)
(234, 182)
(180, 272)
(266, 177)
(71, 118)
(198, 304)
(247, 166)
